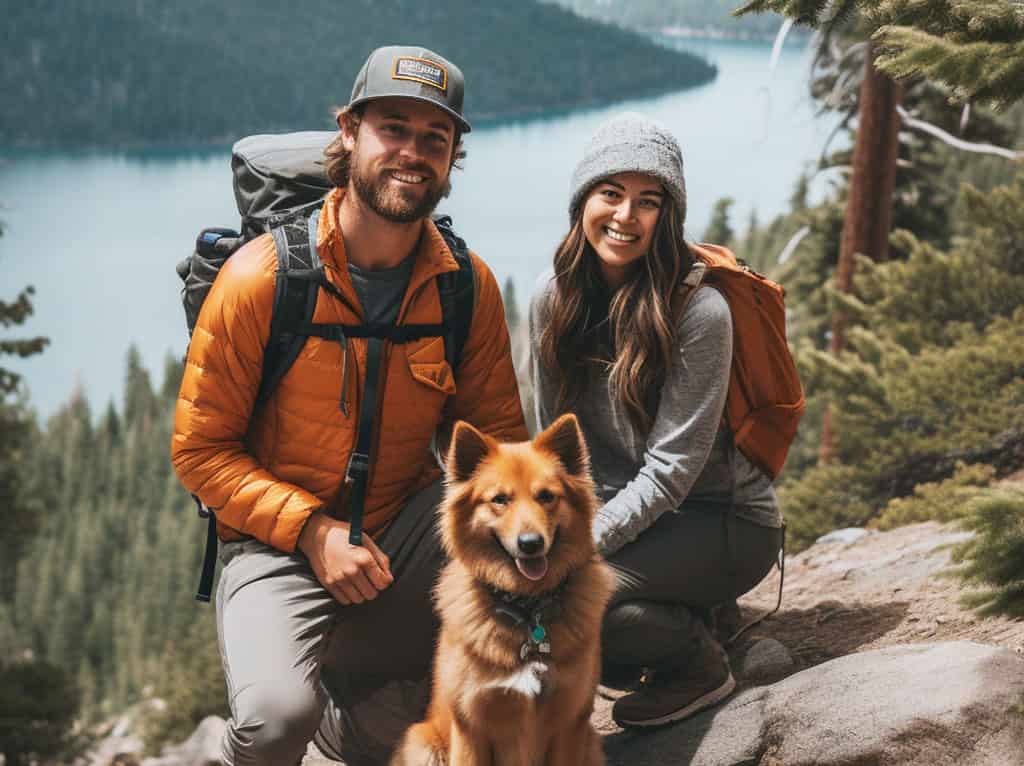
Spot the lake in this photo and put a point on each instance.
(99, 234)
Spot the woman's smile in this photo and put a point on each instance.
(620, 236)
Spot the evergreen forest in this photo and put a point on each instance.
(909, 339)
(130, 72)
(713, 17)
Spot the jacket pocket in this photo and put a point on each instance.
(428, 365)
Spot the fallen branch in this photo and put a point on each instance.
(957, 143)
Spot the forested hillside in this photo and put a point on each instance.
(106, 72)
(708, 16)
(105, 591)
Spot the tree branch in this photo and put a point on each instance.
(957, 143)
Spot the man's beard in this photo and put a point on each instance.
(388, 201)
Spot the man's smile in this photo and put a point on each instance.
(408, 177)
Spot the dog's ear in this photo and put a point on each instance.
(469, 447)
(565, 439)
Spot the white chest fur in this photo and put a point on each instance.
(528, 680)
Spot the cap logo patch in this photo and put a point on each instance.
(420, 70)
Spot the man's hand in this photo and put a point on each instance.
(352, 573)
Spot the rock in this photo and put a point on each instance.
(314, 757)
(200, 749)
(109, 748)
(914, 705)
(844, 536)
(767, 660)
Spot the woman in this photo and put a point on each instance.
(619, 338)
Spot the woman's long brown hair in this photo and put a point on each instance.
(631, 332)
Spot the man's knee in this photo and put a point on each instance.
(273, 722)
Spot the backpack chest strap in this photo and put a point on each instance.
(404, 333)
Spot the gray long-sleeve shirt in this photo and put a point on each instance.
(687, 454)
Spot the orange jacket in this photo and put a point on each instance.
(264, 473)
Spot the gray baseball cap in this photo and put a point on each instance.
(409, 71)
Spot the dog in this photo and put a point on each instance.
(521, 602)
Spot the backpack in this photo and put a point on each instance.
(279, 185)
(765, 399)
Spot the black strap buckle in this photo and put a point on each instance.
(202, 510)
(356, 476)
(358, 467)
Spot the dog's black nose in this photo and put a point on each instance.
(530, 543)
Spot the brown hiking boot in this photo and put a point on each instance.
(668, 696)
(672, 694)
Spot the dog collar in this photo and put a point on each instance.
(530, 612)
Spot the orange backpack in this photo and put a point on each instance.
(765, 399)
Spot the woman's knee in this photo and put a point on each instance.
(273, 721)
(641, 632)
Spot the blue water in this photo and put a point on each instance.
(99, 234)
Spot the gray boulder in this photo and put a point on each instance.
(766, 660)
(845, 536)
(955, 703)
(200, 749)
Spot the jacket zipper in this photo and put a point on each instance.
(382, 385)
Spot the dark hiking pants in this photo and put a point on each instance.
(675, 570)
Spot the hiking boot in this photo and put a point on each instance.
(667, 696)
(726, 619)
(673, 693)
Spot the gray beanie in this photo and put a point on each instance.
(630, 142)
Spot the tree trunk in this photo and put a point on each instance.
(869, 205)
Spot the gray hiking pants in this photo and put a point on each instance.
(285, 642)
(676, 570)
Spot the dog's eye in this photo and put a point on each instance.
(500, 499)
(545, 496)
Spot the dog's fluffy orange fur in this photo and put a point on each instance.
(490, 706)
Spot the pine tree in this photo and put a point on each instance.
(508, 297)
(192, 683)
(994, 558)
(20, 514)
(38, 704)
(973, 46)
(719, 230)
(139, 398)
(931, 374)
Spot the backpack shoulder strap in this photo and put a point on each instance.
(458, 294)
(693, 280)
(295, 294)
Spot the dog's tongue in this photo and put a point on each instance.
(533, 568)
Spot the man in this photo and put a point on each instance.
(277, 476)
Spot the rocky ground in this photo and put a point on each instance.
(885, 602)
(867, 590)
(854, 591)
